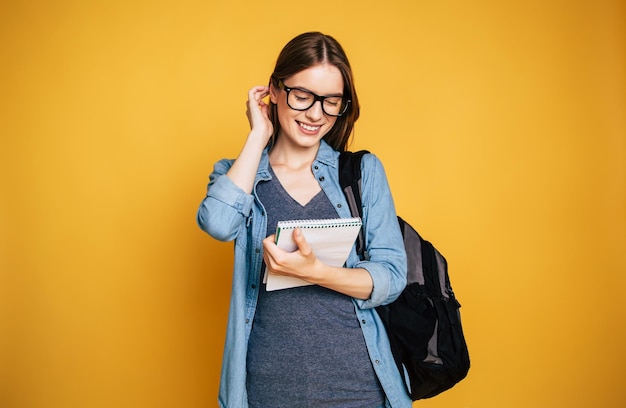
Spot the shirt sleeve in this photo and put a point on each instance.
(225, 207)
(387, 262)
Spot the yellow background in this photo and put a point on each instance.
(502, 127)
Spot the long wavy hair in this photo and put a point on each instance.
(305, 51)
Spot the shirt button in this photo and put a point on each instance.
(258, 250)
(316, 167)
(376, 362)
(363, 321)
(253, 286)
(338, 205)
(247, 321)
(321, 178)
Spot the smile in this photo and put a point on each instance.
(309, 128)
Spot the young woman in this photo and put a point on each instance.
(320, 345)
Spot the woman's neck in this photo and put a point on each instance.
(292, 158)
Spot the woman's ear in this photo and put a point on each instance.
(273, 93)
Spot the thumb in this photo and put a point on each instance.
(303, 246)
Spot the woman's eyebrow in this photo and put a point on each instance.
(301, 88)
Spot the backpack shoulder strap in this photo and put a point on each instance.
(350, 182)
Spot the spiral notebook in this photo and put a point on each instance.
(330, 239)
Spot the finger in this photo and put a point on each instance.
(258, 92)
(269, 247)
(270, 239)
(267, 252)
(268, 261)
(303, 246)
(273, 256)
(255, 101)
(256, 89)
(265, 110)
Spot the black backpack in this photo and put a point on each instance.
(424, 323)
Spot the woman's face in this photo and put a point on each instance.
(306, 128)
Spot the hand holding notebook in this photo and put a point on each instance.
(330, 239)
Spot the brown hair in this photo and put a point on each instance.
(305, 51)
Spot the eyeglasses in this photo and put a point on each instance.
(301, 100)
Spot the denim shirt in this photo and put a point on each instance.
(228, 213)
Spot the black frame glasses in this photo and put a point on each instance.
(345, 103)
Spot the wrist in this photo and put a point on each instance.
(322, 274)
(260, 136)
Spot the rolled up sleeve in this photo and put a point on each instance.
(387, 262)
(225, 207)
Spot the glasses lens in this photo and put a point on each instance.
(333, 106)
(299, 99)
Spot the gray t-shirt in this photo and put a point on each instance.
(306, 348)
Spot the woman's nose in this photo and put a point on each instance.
(315, 112)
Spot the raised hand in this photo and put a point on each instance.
(257, 112)
(243, 171)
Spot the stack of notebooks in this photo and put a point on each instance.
(330, 239)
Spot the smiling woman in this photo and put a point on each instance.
(329, 59)
(333, 349)
(501, 126)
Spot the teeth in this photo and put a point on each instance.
(309, 128)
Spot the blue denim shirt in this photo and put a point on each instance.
(228, 213)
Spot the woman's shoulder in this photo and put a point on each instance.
(371, 163)
(373, 172)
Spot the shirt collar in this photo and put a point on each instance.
(325, 155)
